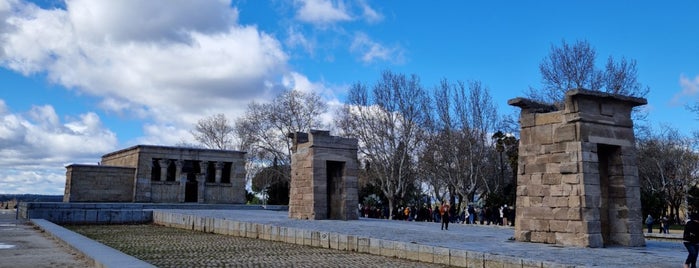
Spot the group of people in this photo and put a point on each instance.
(503, 215)
(664, 226)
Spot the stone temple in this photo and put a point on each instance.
(577, 181)
(160, 174)
(323, 177)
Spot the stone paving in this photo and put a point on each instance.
(171, 247)
(22, 245)
(492, 241)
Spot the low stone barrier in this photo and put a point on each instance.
(111, 213)
(331, 240)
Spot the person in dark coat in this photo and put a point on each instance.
(691, 240)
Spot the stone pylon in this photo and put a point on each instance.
(323, 177)
(577, 181)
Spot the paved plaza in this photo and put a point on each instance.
(487, 239)
(22, 245)
(41, 251)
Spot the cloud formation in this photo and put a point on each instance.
(690, 88)
(36, 145)
(322, 12)
(164, 63)
(370, 51)
(150, 60)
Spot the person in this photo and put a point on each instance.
(691, 240)
(666, 227)
(649, 223)
(444, 214)
(663, 222)
(471, 214)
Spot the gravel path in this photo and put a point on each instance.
(171, 247)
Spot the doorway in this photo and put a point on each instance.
(335, 171)
(191, 188)
(611, 183)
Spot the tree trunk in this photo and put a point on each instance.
(390, 208)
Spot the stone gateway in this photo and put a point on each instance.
(323, 177)
(577, 181)
(160, 174)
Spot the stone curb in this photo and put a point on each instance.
(99, 254)
(321, 239)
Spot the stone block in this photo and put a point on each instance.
(426, 253)
(351, 243)
(458, 258)
(363, 244)
(548, 118)
(475, 259)
(388, 248)
(401, 250)
(307, 237)
(343, 242)
(552, 178)
(412, 251)
(441, 255)
(274, 233)
(267, 231)
(501, 261)
(565, 133)
(234, 228)
(324, 240)
(375, 246)
(334, 240)
(315, 239)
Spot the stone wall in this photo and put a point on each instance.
(577, 180)
(323, 177)
(165, 174)
(89, 183)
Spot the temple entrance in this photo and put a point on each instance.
(611, 183)
(334, 170)
(191, 188)
(190, 191)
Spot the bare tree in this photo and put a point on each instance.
(386, 121)
(459, 151)
(264, 128)
(573, 66)
(214, 132)
(668, 167)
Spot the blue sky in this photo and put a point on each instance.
(82, 78)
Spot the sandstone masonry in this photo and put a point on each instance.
(323, 177)
(577, 181)
(160, 174)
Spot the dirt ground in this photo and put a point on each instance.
(22, 245)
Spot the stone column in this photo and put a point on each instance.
(163, 168)
(201, 179)
(182, 179)
(219, 169)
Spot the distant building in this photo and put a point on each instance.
(160, 174)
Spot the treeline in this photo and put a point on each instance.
(424, 143)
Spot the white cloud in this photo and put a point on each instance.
(369, 14)
(297, 39)
(690, 88)
(321, 12)
(165, 62)
(156, 60)
(36, 145)
(370, 51)
(50, 182)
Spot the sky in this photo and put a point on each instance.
(82, 78)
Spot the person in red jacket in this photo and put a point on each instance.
(444, 213)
